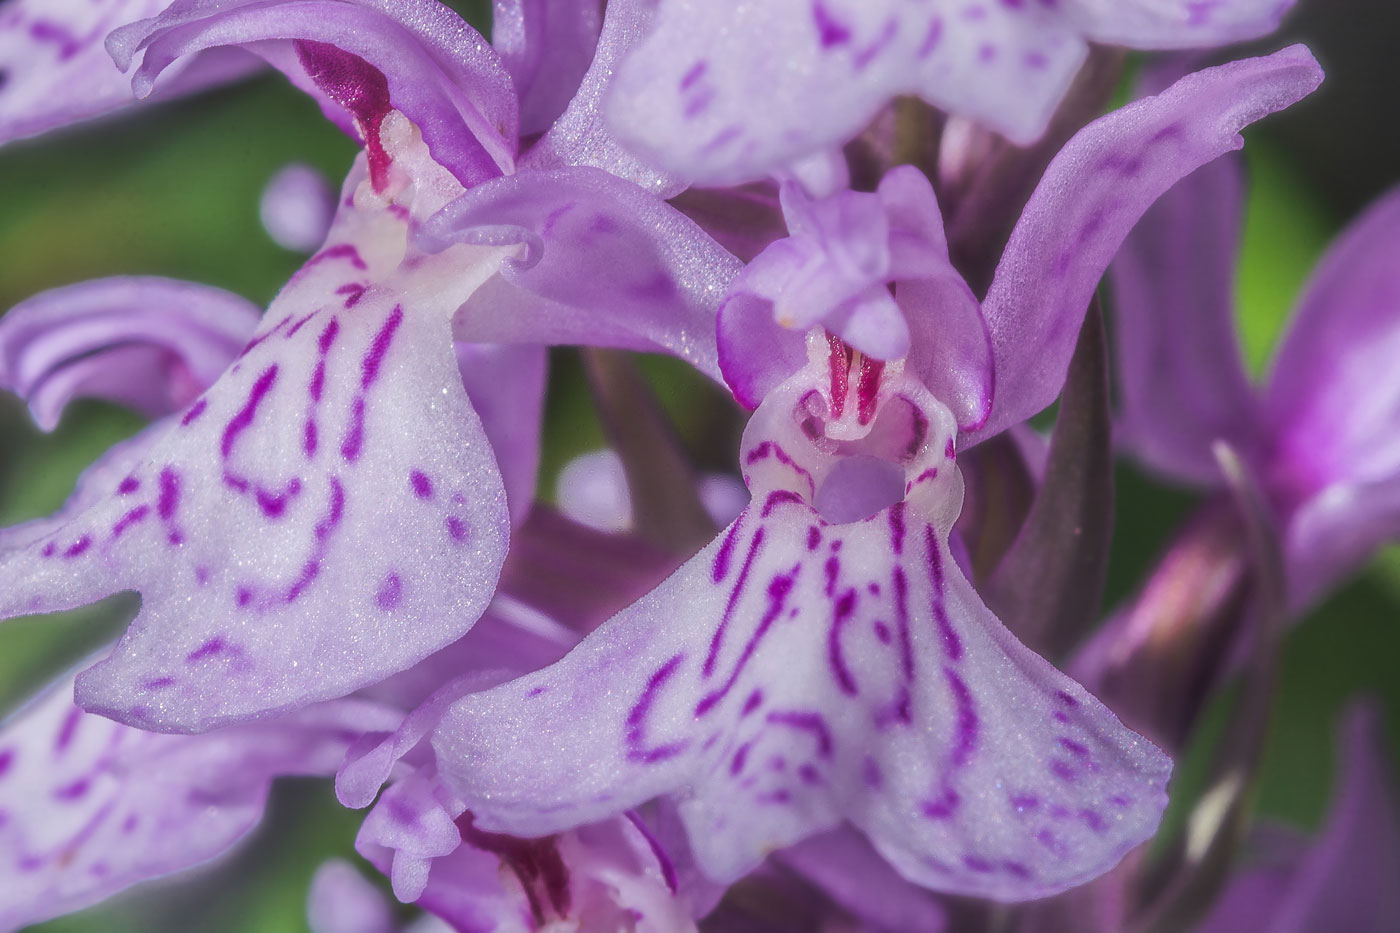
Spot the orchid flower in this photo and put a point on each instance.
(1321, 434)
(337, 471)
(724, 92)
(825, 659)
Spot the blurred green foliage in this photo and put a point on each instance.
(173, 190)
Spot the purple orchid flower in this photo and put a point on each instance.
(297, 208)
(1321, 433)
(338, 471)
(725, 92)
(825, 659)
(55, 71)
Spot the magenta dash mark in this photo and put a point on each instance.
(390, 593)
(209, 649)
(778, 591)
(194, 412)
(803, 721)
(317, 386)
(244, 419)
(769, 449)
(778, 498)
(978, 864)
(353, 292)
(48, 550)
(7, 760)
(968, 725)
(339, 251)
(736, 764)
(831, 31)
(693, 74)
(752, 703)
(374, 359)
(78, 547)
(158, 683)
(73, 791)
(717, 640)
(168, 499)
(720, 570)
(1066, 699)
(354, 442)
(128, 486)
(845, 609)
(901, 619)
(326, 339)
(301, 322)
(814, 537)
(310, 438)
(309, 571)
(943, 806)
(130, 519)
(952, 645)
(422, 486)
(636, 718)
(1074, 748)
(897, 527)
(67, 731)
(1062, 770)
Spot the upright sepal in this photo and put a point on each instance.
(1091, 196)
(804, 669)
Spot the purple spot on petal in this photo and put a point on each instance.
(210, 648)
(390, 592)
(944, 806)
(128, 486)
(422, 486)
(7, 760)
(195, 411)
(158, 683)
(456, 528)
(78, 547)
(831, 31)
(67, 731)
(1062, 770)
(75, 790)
(244, 418)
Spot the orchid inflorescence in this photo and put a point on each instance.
(825, 699)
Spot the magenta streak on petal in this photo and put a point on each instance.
(752, 703)
(67, 731)
(952, 645)
(736, 764)
(943, 806)
(769, 449)
(830, 30)
(78, 547)
(7, 760)
(814, 537)
(353, 445)
(967, 718)
(130, 519)
(778, 498)
(244, 419)
(390, 592)
(814, 723)
(301, 322)
(901, 618)
(636, 718)
(778, 591)
(353, 292)
(321, 533)
(195, 411)
(839, 360)
(845, 608)
(357, 86)
(868, 54)
(832, 569)
(422, 485)
(726, 550)
(73, 791)
(717, 640)
(668, 870)
(258, 340)
(897, 528)
(210, 648)
(128, 486)
(339, 251)
(311, 434)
